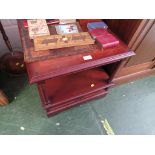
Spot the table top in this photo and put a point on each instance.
(67, 60)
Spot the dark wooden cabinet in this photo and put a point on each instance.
(67, 81)
(145, 52)
(142, 64)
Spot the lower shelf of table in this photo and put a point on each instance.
(78, 101)
(60, 93)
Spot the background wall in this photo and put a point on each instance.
(11, 29)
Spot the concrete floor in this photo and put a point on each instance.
(129, 109)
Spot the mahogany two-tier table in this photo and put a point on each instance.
(71, 76)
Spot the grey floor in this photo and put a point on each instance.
(129, 109)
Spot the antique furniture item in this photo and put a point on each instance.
(71, 76)
(12, 62)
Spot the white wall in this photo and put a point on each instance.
(11, 29)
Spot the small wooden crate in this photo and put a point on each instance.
(60, 41)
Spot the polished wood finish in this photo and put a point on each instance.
(139, 36)
(133, 69)
(30, 55)
(67, 105)
(141, 40)
(146, 50)
(124, 28)
(139, 33)
(67, 81)
(56, 67)
(63, 89)
(133, 76)
(75, 63)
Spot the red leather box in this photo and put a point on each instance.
(107, 41)
(99, 32)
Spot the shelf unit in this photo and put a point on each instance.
(67, 81)
(66, 91)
